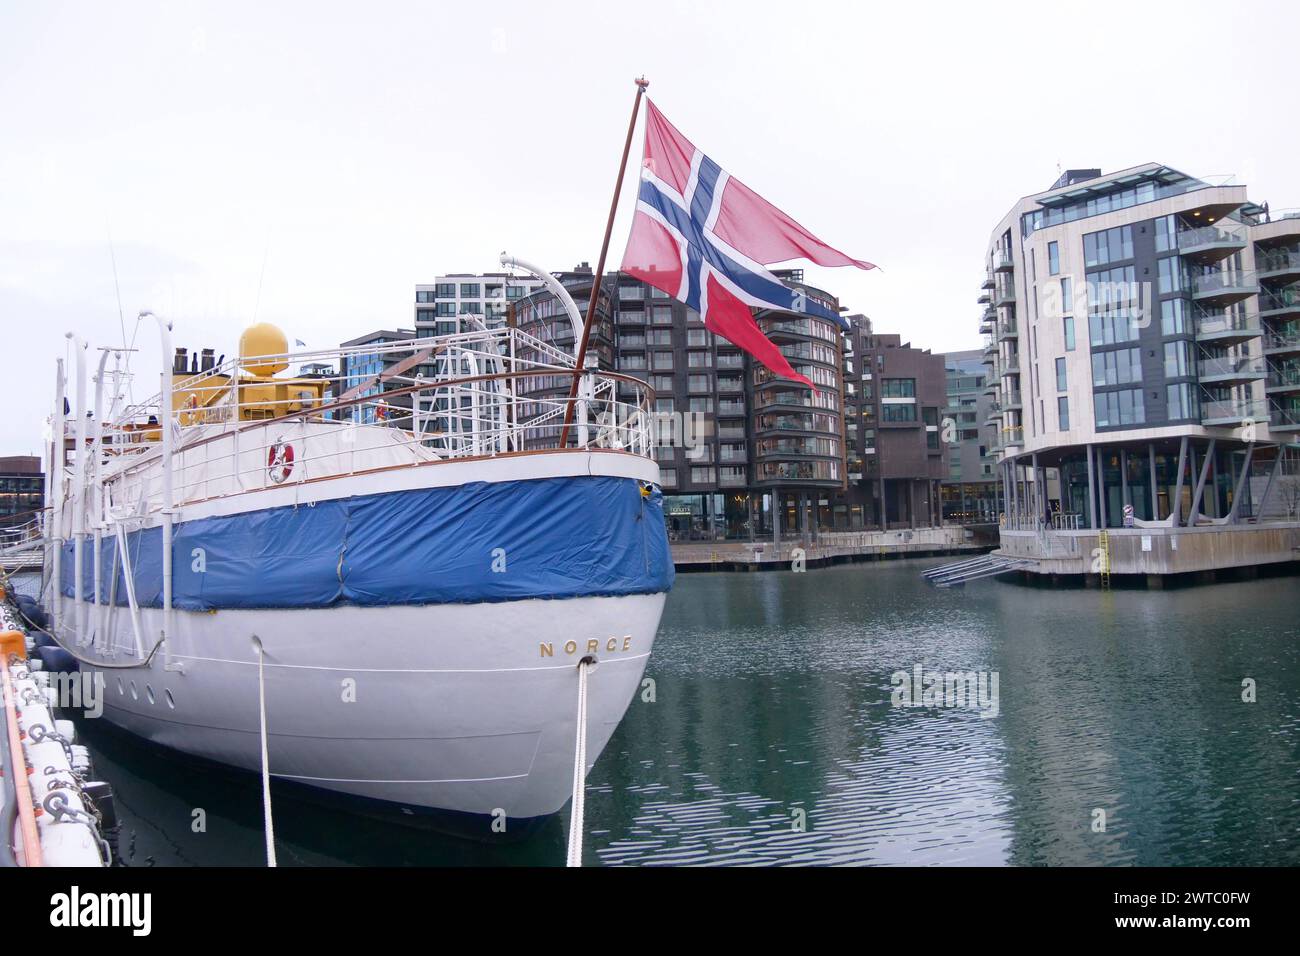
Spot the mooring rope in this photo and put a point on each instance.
(579, 769)
(266, 764)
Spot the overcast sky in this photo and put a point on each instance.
(335, 154)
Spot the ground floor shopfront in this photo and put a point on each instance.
(753, 513)
(1182, 479)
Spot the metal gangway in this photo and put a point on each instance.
(972, 569)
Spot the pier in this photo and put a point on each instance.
(1155, 556)
(836, 547)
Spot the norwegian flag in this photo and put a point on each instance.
(705, 238)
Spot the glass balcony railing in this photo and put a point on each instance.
(1224, 283)
(1233, 412)
(1284, 415)
(1283, 300)
(1211, 237)
(1286, 340)
(1002, 262)
(1231, 366)
(1277, 261)
(1211, 325)
(1283, 376)
(1013, 435)
(1013, 399)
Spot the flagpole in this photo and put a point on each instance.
(641, 85)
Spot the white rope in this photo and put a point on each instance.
(579, 772)
(266, 764)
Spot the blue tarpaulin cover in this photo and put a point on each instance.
(484, 541)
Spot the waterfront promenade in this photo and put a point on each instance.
(835, 547)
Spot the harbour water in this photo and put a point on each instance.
(771, 738)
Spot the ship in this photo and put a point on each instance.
(397, 580)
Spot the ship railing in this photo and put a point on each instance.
(478, 416)
(22, 536)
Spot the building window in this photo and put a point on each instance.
(1067, 294)
(470, 289)
(1109, 245)
(1172, 321)
(1053, 258)
(1119, 367)
(1178, 359)
(1166, 234)
(662, 314)
(1181, 401)
(1171, 275)
(1063, 413)
(424, 295)
(1068, 327)
(898, 388)
(668, 477)
(898, 413)
(702, 476)
(627, 293)
(1060, 375)
(1112, 297)
(663, 360)
(446, 290)
(1119, 408)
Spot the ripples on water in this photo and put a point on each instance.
(773, 696)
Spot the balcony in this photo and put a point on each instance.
(1283, 263)
(988, 281)
(1284, 416)
(1002, 262)
(984, 298)
(1233, 412)
(1223, 288)
(1282, 302)
(1231, 369)
(1207, 244)
(1008, 330)
(1013, 436)
(1004, 296)
(1226, 328)
(1011, 365)
(1283, 377)
(1013, 399)
(1282, 342)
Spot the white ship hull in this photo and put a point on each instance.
(453, 707)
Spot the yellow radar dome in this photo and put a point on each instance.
(259, 341)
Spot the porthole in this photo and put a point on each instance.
(120, 689)
(171, 701)
(135, 695)
(148, 690)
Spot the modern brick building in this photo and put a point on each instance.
(22, 489)
(971, 491)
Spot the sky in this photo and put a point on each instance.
(308, 163)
